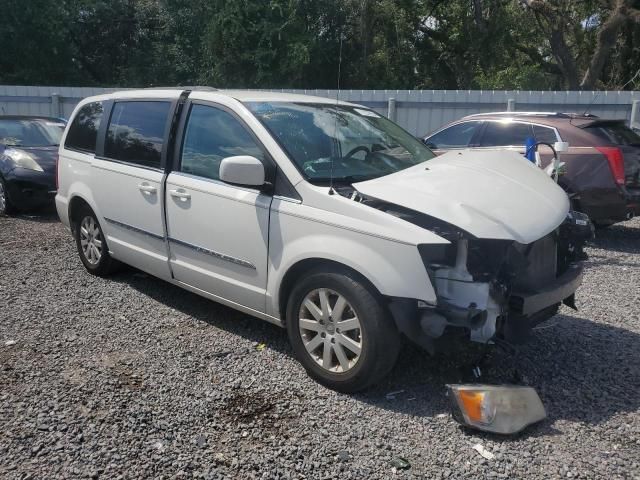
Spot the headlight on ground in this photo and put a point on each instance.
(498, 409)
(22, 159)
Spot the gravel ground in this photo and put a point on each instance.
(130, 377)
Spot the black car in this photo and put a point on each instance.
(28, 158)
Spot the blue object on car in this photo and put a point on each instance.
(530, 151)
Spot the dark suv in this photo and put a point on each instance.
(602, 166)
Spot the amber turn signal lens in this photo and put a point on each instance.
(471, 403)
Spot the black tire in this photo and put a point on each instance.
(380, 339)
(6, 207)
(105, 265)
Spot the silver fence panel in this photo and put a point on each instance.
(419, 111)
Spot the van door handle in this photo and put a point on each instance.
(184, 196)
(148, 189)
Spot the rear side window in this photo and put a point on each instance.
(544, 134)
(211, 136)
(136, 132)
(456, 136)
(83, 131)
(503, 134)
(616, 133)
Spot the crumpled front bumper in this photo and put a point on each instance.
(561, 290)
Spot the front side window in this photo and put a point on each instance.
(348, 144)
(211, 136)
(456, 136)
(83, 130)
(504, 134)
(136, 132)
(29, 133)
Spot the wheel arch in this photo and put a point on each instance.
(315, 264)
(76, 204)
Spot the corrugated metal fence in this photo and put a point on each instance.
(419, 111)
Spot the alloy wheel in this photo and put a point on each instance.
(91, 240)
(330, 330)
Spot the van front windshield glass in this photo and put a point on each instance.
(350, 144)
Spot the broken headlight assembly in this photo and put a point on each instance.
(503, 409)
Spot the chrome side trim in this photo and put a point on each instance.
(134, 229)
(221, 256)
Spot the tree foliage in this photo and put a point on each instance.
(393, 44)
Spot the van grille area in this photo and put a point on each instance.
(511, 266)
(542, 259)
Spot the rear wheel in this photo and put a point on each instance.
(92, 246)
(6, 207)
(340, 331)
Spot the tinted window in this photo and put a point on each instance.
(456, 136)
(502, 134)
(136, 132)
(84, 128)
(211, 136)
(30, 133)
(545, 134)
(616, 133)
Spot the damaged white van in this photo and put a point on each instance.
(319, 216)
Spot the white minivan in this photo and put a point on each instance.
(320, 216)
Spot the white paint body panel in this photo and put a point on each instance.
(132, 197)
(226, 223)
(493, 194)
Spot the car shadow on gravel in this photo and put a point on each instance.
(622, 237)
(584, 371)
(43, 215)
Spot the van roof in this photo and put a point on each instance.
(240, 95)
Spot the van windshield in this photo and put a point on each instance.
(30, 133)
(348, 144)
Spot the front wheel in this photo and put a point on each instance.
(340, 331)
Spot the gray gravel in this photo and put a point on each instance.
(131, 377)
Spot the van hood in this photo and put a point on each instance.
(492, 194)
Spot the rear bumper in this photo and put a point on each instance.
(610, 205)
(30, 189)
(529, 303)
(603, 205)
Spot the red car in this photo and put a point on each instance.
(602, 166)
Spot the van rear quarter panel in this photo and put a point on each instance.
(74, 176)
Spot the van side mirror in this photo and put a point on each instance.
(242, 170)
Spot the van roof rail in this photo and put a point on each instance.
(535, 114)
(203, 88)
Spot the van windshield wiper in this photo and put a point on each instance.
(346, 179)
